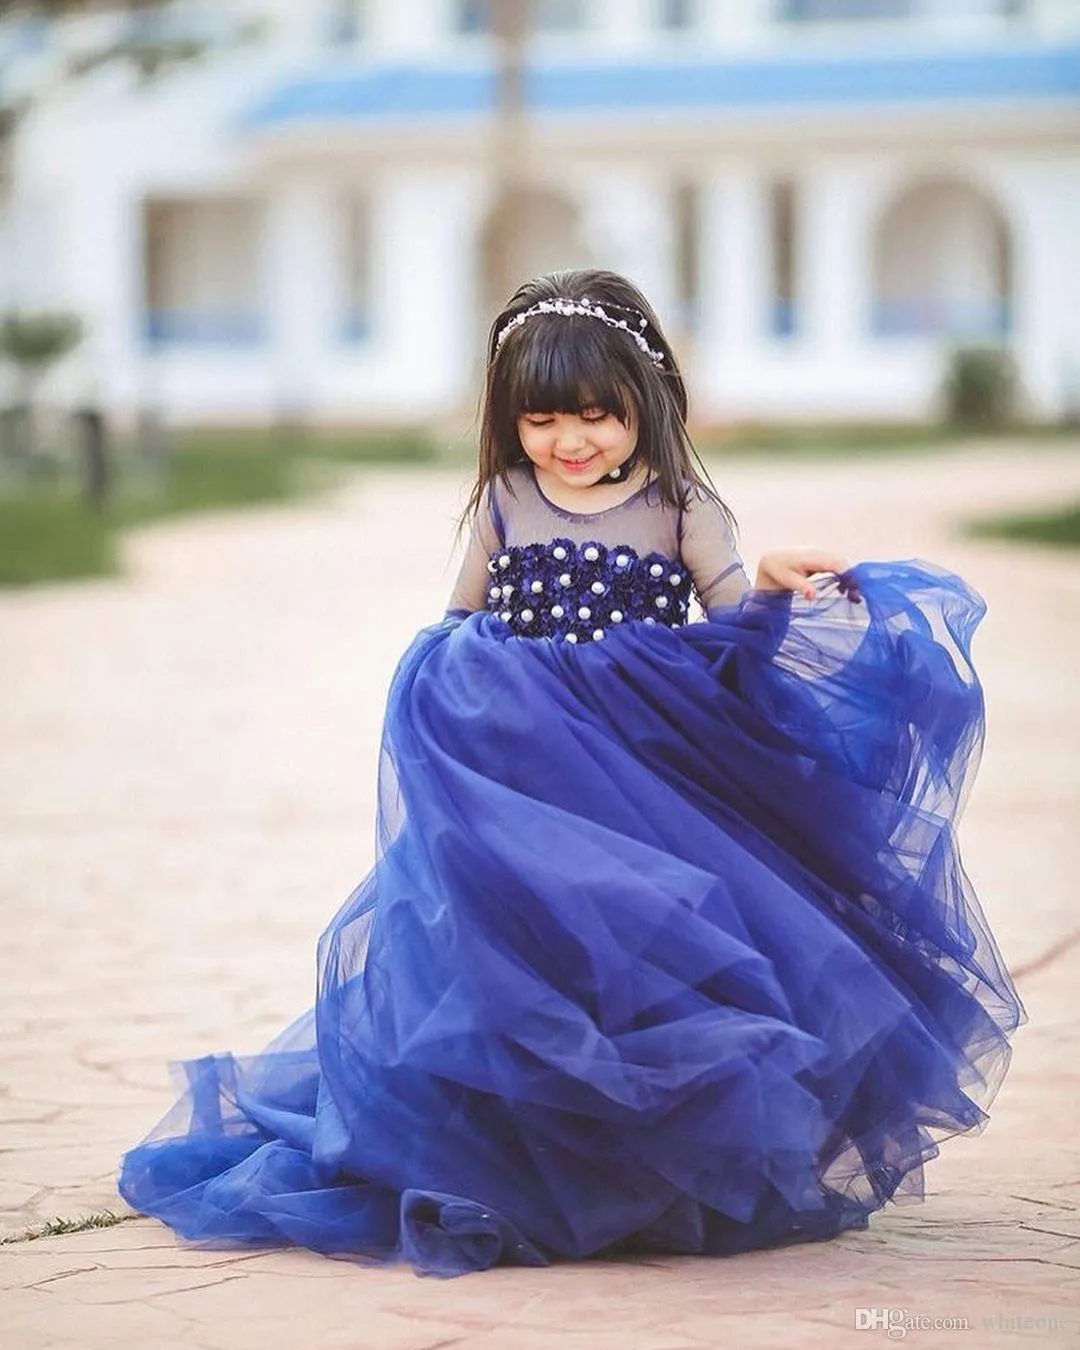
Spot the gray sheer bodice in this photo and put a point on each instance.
(541, 567)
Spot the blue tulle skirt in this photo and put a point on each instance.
(668, 948)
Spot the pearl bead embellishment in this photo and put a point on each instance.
(598, 586)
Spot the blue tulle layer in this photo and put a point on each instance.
(668, 947)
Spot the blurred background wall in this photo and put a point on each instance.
(310, 208)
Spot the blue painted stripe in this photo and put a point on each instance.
(355, 327)
(865, 80)
(203, 328)
(935, 318)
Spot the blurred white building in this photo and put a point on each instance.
(818, 195)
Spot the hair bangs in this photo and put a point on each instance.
(563, 366)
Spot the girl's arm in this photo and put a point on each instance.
(473, 580)
(707, 548)
(709, 554)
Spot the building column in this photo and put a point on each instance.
(105, 266)
(735, 295)
(834, 257)
(425, 306)
(299, 270)
(1053, 18)
(624, 26)
(406, 28)
(736, 25)
(1044, 220)
(299, 30)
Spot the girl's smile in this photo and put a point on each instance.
(578, 449)
(576, 465)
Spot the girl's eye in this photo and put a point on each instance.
(593, 414)
(537, 421)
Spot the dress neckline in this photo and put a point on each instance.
(581, 515)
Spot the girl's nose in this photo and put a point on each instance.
(569, 438)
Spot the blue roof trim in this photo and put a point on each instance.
(426, 91)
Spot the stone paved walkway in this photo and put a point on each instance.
(186, 795)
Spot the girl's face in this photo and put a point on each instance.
(577, 448)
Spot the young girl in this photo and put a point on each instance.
(668, 946)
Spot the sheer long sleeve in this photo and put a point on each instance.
(707, 546)
(470, 588)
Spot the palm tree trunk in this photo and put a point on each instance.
(511, 24)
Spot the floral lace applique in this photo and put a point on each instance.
(578, 591)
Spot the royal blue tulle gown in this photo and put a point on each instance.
(668, 947)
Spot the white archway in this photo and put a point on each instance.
(942, 263)
(546, 238)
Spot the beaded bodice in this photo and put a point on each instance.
(550, 572)
(578, 591)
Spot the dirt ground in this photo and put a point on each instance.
(186, 796)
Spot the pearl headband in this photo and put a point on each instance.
(584, 306)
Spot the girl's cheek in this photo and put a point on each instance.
(535, 446)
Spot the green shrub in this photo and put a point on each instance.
(981, 388)
(35, 341)
(1060, 527)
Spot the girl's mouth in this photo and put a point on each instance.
(576, 465)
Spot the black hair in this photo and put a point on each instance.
(570, 363)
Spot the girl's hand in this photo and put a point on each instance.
(789, 569)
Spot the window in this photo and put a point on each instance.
(783, 224)
(558, 16)
(473, 16)
(356, 269)
(686, 212)
(347, 22)
(202, 271)
(676, 15)
(547, 16)
(847, 10)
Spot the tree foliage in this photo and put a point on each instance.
(35, 341)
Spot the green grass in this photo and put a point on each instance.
(861, 438)
(1060, 528)
(227, 470)
(48, 537)
(47, 533)
(58, 1227)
